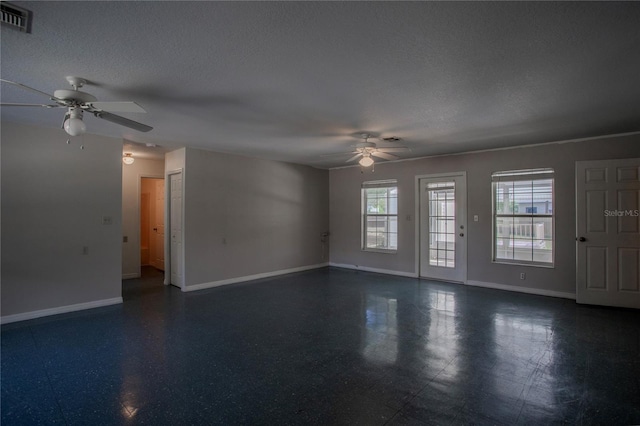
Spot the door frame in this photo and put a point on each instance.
(138, 208)
(418, 178)
(167, 220)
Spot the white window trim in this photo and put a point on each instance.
(525, 174)
(390, 183)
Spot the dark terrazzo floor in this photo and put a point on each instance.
(328, 346)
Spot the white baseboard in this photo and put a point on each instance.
(528, 290)
(59, 310)
(376, 270)
(252, 277)
(130, 276)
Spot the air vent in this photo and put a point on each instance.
(15, 17)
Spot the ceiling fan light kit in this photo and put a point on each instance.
(73, 124)
(128, 158)
(366, 161)
(77, 102)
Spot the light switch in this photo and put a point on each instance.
(475, 218)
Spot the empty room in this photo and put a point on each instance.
(331, 213)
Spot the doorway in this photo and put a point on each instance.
(152, 222)
(442, 226)
(608, 232)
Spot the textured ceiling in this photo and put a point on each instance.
(293, 81)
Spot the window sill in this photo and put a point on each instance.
(516, 263)
(372, 250)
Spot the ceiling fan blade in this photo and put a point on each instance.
(22, 86)
(383, 155)
(337, 154)
(354, 158)
(122, 121)
(29, 105)
(116, 106)
(393, 149)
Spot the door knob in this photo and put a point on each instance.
(581, 239)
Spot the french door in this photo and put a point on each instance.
(443, 248)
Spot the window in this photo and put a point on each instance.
(523, 218)
(380, 216)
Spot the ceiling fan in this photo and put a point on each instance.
(367, 150)
(78, 102)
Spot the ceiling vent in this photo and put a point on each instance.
(15, 17)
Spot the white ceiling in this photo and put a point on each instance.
(293, 81)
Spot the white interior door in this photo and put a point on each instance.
(158, 226)
(175, 213)
(608, 232)
(443, 248)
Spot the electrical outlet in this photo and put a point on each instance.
(523, 275)
(107, 220)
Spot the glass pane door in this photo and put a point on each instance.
(442, 233)
(442, 215)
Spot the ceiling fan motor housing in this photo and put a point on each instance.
(75, 97)
(363, 145)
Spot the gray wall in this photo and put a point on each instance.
(54, 196)
(345, 208)
(131, 175)
(245, 216)
(174, 160)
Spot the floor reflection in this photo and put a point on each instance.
(381, 336)
(442, 335)
(523, 350)
(145, 366)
